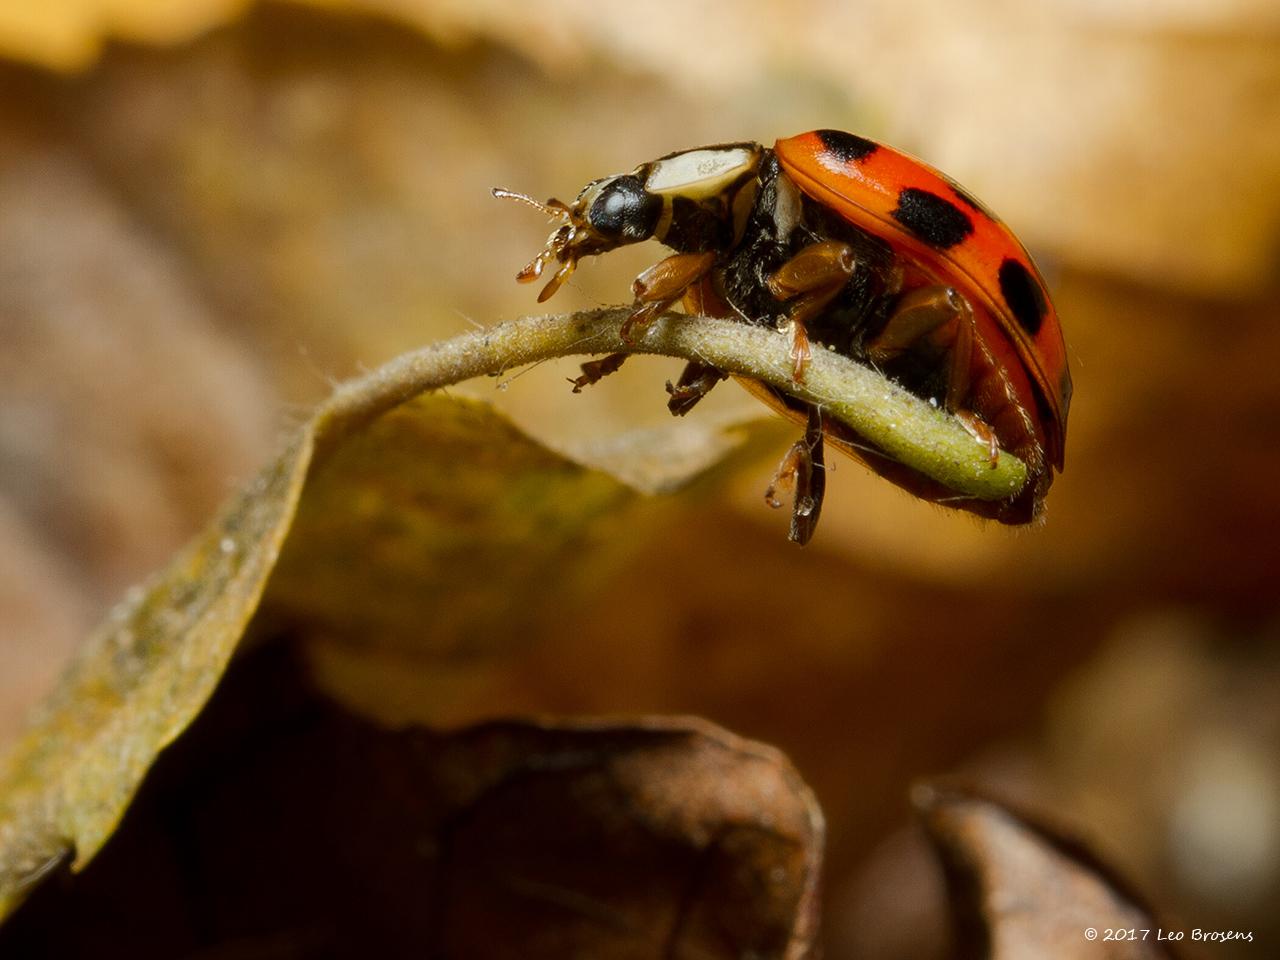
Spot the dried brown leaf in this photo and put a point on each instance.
(1023, 891)
(284, 826)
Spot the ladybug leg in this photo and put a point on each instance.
(663, 284)
(702, 299)
(981, 431)
(656, 289)
(811, 279)
(805, 466)
(940, 316)
(593, 371)
(934, 312)
(696, 381)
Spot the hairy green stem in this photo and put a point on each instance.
(904, 426)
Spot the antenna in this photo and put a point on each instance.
(552, 208)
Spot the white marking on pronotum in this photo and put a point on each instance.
(700, 173)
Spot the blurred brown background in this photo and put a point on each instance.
(211, 211)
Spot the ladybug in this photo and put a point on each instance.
(855, 246)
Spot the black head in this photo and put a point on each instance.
(622, 209)
(607, 214)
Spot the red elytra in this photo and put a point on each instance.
(864, 181)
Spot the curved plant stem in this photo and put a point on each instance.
(904, 426)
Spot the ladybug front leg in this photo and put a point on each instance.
(942, 317)
(663, 284)
(805, 466)
(656, 289)
(811, 279)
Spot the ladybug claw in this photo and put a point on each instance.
(803, 467)
(784, 477)
(625, 331)
(641, 316)
(800, 357)
(696, 381)
(980, 431)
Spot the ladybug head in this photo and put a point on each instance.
(607, 214)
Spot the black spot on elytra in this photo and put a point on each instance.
(1022, 293)
(938, 222)
(846, 147)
